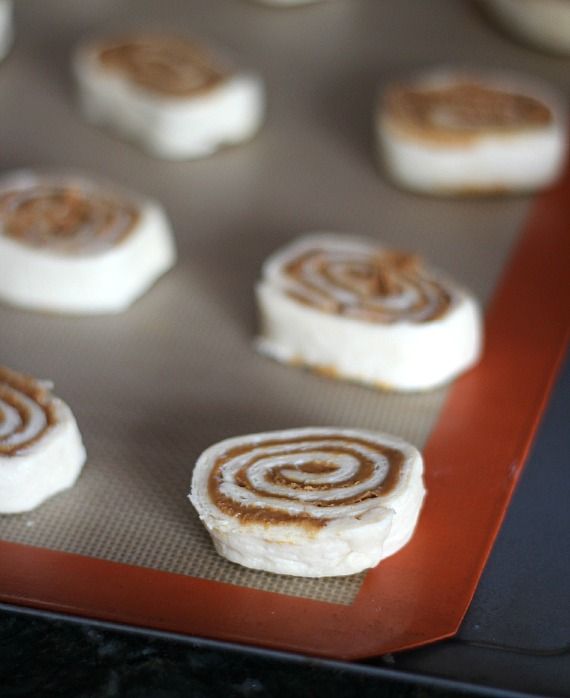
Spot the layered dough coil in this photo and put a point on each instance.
(72, 245)
(173, 97)
(310, 502)
(41, 451)
(369, 284)
(167, 65)
(65, 217)
(449, 132)
(351, 309)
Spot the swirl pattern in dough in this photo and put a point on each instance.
(175, 98)
(165, 64)
(69, 244)
(464, 134)
(68, 217)
(41, 451)
(348, 308)
(465, 109)
(367, 283)
(27, 411)
(310, 479)
(311, 502)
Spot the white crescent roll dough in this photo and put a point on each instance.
(351, 309)
(174, 98)
(72, 245)
(544, 23)
(41, 452)
(313, 502)
(450, 132)
(6, 27)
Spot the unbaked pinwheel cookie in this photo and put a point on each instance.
(41, 452)
(453, 133)
(544, 23)
(349, 308)
(72, 245)
(175, 98)
(312, 502)
(6, 27)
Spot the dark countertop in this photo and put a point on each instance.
(42, 657)
(516, 636)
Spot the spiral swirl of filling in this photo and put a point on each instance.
(310, 479)
(65, 218)
(165, 64)
(464, 109)
(27, 412)
(366, 283)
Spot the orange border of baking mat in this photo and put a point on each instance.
(474, 458)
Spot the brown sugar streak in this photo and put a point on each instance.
(268, 515)
(12, 381)
(45, 216)
(377, 278)
(165, 64)
(476, 110)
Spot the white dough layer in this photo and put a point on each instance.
(544, 23)
(37, 460)
(403, 354)
(169, 126)
(291, 489)
(494, 160)
(6, 27)
(96, 277)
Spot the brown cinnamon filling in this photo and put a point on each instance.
(463, 111)
(370, 282)
(64, 218)
(165, 64)
(12, 383)
(276, 476)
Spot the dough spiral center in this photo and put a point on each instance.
(465, 109)
(168, 65)
(370, 285)
(26, 412)
(310, 480)
(65, 218)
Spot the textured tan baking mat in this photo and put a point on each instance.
(152, 388)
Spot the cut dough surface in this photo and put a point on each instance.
(349, 308)
(72, 245)
(41, 451)
(453, 133)
(175, 98)
(312, 502)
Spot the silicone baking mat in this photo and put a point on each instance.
(155, 386)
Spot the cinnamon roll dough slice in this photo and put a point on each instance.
(71, 245)
(351, 309)
(41, 452)
(543, 23)
(456, 133)
(175, 98)
(312, 502)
